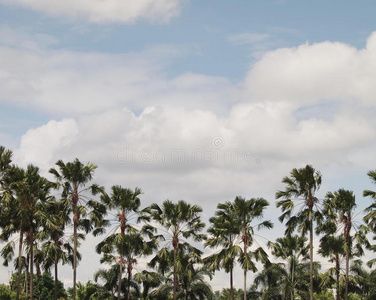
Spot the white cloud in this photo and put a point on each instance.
(40, 145)
(66, 82)
(99, 11)
(310, 73)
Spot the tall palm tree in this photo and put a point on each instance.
(88, 214)
(25, 206)
(191, 279)
(301, 186)
(131, 246)
(294, 252)
(36, 190)
(57, 250)
(241, 214)
(332, 246)
(180, 221)
(128, 242)
(339, 209)
(247, 211)
(222, 233)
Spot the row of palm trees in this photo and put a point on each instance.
(163, 233)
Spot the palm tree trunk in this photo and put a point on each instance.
(19, 265)
(310, 257)
(31, 264)
(245, 249)
(292, 270)
(231, 285)
(27, 276)
(120, 277)
(175, 288)
(347, 273)
(337, 277)
(74, 259)
(56, 259)
(129, 279)
(245, 285)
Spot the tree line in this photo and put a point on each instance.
(35, 237)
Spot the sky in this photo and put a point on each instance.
(196, 100)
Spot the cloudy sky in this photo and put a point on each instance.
(194, 100)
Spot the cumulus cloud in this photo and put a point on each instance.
(41, 145)
(98, 11)
(310, 73)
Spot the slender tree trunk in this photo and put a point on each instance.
(292, 270)
(27, 276)
(245, 249)
(56, 275)
(231, 285)
(337, 277)
(175, 288)
(31, 263)
(38, 270)
(311, 257)
(120, 277)
(245, 284)
(347, 270)
(19, 265)
(129, 279)
(76, 218)
(74, 259)
(123, 226)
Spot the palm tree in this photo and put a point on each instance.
(180, 221)
(271, 279)
(149, 281)
(223, 233)
(25, 206)
(192, 278)
(110, 278)
(339, 210)
(87, 213)
(293, 250)
(133, 245)
(362, 281)
(56, 249)
(239, 217)
(301, 185)
(129, 242)
(247, 211)
(332, 246)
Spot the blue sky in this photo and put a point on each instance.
(244, 91)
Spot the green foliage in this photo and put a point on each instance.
(324, 295)
(5, 292)
(225, 294)
(44, 288)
